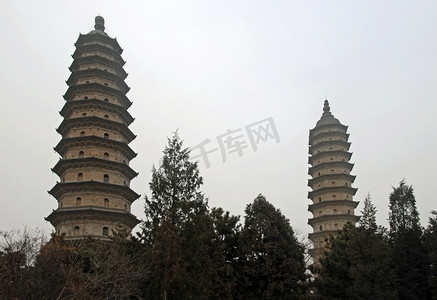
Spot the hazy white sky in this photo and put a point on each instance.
(207, 67)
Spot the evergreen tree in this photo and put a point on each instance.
(410, 259)
(187, 255)
(357, 265)
(271, 265)
(368, 217)
(431, 247)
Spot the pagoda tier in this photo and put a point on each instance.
(83, 50)
(96, 75)
(71, 147)
(93, 125)
(64, 188)
(94, 195)
(98, 62)
(331, 183)
(98, 107)
(98, 90)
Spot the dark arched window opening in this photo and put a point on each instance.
(106, 178)
(79, 177)
(105, 231)
(320, 199)
(82, 133)
(106, 116)
(86, 97)
(78, 201)
(84, 114)
(106, 136)
(81, 154)
(320, 228)
(106, 100)
(106, 202)
(76, 230)
(106, 155)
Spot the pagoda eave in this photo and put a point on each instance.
(97, 87)
(349, 166)
(62, 215)
(336, 217)
(322, 190)
(74, 105)
(98, 73)
(329, 134)
(314, 180)
(93, 162)
(326, 203)
(97, 141)
(75, 66)
(92, 37)
(84, 122)
(345, 154)
(312, 148)
(62, 188)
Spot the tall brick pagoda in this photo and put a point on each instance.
(93, 194)
(331, 183)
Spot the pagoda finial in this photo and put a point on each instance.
(100, 23)
(326, 108)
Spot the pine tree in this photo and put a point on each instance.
(410, 259)
(187, 255)
(368, 218)
(271, 265)
(357, 266)
(431, 247)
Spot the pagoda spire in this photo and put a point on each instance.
(99, 23)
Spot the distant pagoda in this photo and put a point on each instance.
(331, 183)
(93, 194)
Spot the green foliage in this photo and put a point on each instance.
(431, 247)
(409, 256)
(403, 215)
(187, 256)
(357, 265)
(368, 217)
(271, 265)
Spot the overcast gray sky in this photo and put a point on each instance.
(206, 67)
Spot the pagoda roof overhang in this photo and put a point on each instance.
(77, 213)
(325, 234)
(336, 217)
(62, 188)
(81, 49)
(331, 134)
(338, 126)
(345, 154)
(100, 60)
(95, 141)
(94, 162)
(98, 88)
(95, 37)
(317, 179)
(335, 164)
(75, 75)
(83, 122)
(322, 204)
(74, 105)
(312, 149)
(332, 189)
